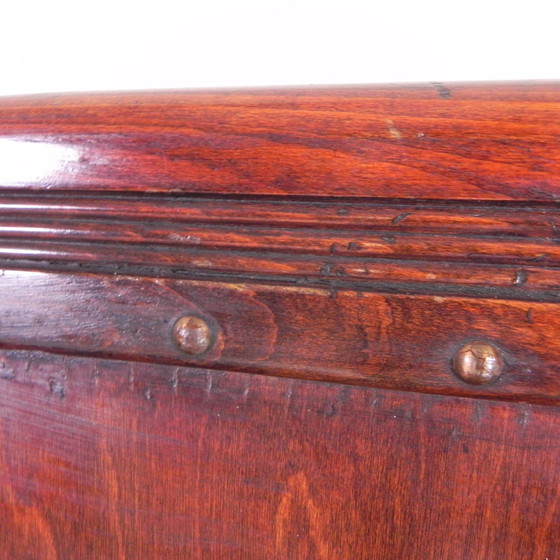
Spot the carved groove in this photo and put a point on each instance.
(417, 246)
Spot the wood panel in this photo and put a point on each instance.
(238, 324)
(398, 341)
(103, 459)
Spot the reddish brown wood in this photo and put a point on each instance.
(418, 247)
(234, 324)
(483, 141)
(104, 459)
(404, 342)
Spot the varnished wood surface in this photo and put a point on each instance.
(469, 248)
(112, 460)
(491, 141)
(244, 324)
(397, 341)
(202, 185)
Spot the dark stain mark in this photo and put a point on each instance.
(400, 217)
(328, 269)
(443, 92)
(6, 372)
(520, 278)
(332, 248)
(353, 245)
(378, 401)
(331, 411)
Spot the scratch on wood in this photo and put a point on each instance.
(524, 418)
(389, 239)
(393, 130)
(478, 412)
(289, 395)
(209, 383)
(174, 380)
(400, 217)
(164, 157)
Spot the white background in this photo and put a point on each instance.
(66, 45)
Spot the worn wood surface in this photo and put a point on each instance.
(113, 460)
(353, 260)
(397, 341)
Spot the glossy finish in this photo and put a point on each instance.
(107, 459)
(396, 341)
(482, 250)
(192, 335)
(483, 141)
(238, 324)
(478, 363)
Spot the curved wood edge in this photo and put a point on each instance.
(488, 141)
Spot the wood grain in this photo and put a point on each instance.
(403, 342)
(104, 459)
(436, 141)
(470, 248)
(244, 324)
